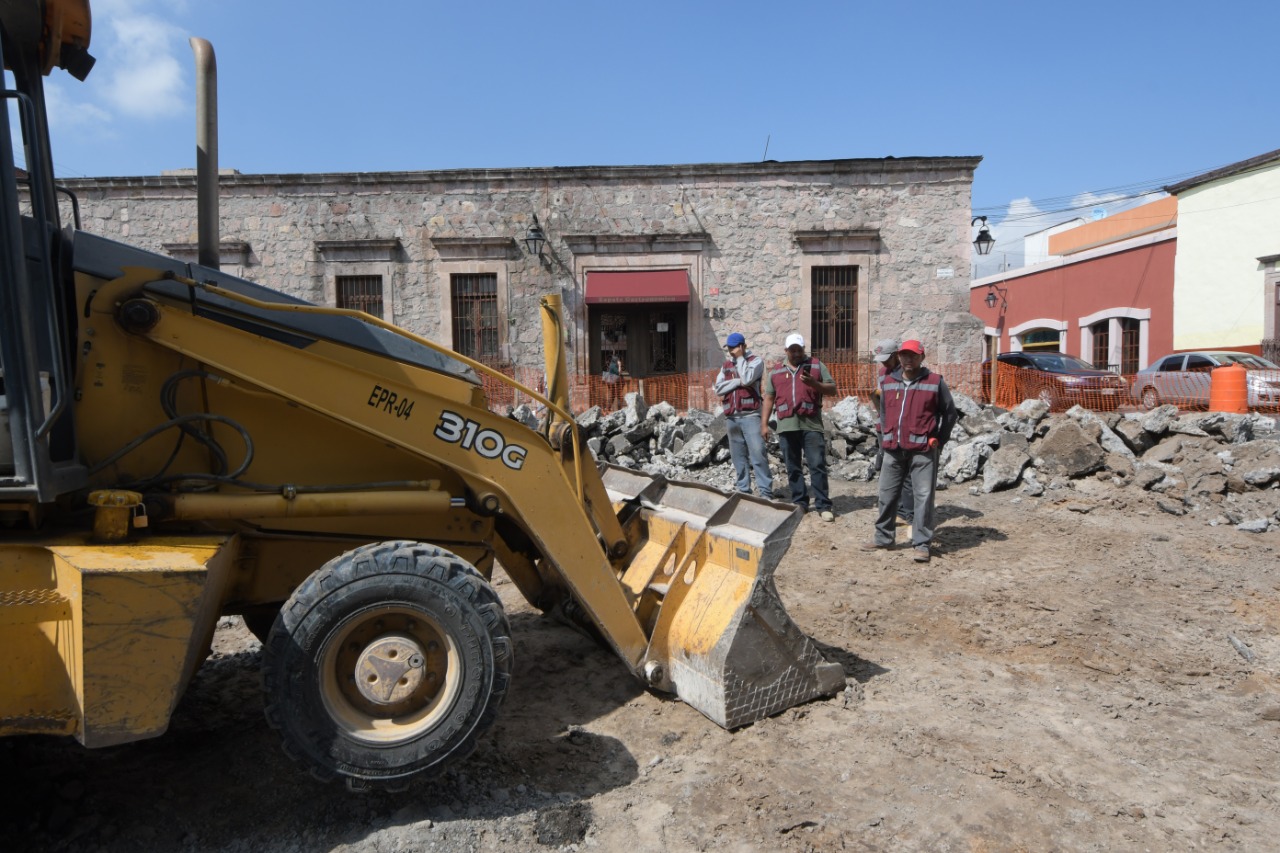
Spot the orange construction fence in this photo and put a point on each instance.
(1134, 392)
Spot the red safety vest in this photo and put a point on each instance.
(909, 413)
(744, 398)
(793, 397)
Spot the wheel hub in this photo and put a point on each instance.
(390, 669)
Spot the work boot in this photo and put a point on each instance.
(873, 545)
(921, 554)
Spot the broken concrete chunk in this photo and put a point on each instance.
(1133, 435)
(1107, 437)
(1158, 420)
(1067, 451)
(1004, 469)
(966, 460)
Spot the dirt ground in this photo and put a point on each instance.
(1062, 676)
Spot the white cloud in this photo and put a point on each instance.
(145, 79)
(66, 113)
(1022, 218)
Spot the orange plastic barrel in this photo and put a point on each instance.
(1228, 390)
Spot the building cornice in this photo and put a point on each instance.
(875, 170)
(229, 251)
(635, 244)
(839, 241)
(1262, 161)
(375, 249)
(475, 248)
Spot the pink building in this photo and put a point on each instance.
(1105, 294)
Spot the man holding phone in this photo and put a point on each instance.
(917, 415)
(793, 391)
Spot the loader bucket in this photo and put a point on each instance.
(701, 577)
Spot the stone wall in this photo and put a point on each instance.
(748, 234)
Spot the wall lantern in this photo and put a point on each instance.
(534, 239)
(984, 241)
(992, 298)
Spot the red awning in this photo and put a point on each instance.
(638, 286)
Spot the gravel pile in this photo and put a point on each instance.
(1224, 465)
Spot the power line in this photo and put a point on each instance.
(1136, 189)
(1039, 214)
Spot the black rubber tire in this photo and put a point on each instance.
(1150, 397)
(428, 597)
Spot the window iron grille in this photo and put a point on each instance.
(475, 316)
(360, 293)
(834, 318)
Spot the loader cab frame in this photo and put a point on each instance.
(39, 459)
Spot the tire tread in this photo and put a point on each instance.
(416, 560)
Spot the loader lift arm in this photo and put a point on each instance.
(677, 578)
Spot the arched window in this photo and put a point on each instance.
(1116, 338)
(1042, 340)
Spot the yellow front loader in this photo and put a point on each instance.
(183, 444)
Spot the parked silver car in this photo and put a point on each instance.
(1183, 379)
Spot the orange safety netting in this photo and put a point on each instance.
(684, 391)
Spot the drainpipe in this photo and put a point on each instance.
(207, 152)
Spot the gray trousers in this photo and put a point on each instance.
(916, 470)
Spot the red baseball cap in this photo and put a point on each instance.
(912, 346)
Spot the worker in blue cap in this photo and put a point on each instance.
(738, 387)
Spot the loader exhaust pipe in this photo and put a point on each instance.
(207, 153)
(553, 350)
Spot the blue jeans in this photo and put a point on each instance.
(746, 449)
(917, 471)
(810, 446)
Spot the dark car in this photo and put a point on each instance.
(1059, 380)
(1184, 378)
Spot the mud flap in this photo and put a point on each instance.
(701, 574)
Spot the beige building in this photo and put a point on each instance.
(1227, 278)
(655, 263)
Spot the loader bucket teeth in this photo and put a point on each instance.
(701, 576)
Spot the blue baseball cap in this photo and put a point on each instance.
(734, 340)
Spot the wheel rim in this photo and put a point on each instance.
(1149, 398)
(389, 674)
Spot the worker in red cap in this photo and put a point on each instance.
(917, 415)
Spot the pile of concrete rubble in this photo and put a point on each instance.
(1225, 466)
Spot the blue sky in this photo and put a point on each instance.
(1069, 104)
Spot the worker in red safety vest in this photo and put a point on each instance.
(885, 355)
(794, 391)
(738, 387)
(917, 416)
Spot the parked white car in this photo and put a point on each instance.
(1183, 379)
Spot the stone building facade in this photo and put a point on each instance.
(655, 263)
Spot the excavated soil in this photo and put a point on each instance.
(1079, 671)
